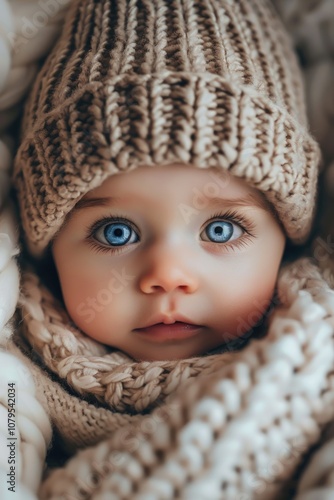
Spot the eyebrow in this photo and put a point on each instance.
(249, 200)
(97, 202)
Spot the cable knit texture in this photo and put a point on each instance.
(238, 432)
(312, 27)
(180, 440)
(213, 83)
(20, 52)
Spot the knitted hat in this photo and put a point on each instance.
(212, 83)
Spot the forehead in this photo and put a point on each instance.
(176, 181)
(149, 187)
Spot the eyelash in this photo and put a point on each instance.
(232, 216)
(246, 225)
(90, 230)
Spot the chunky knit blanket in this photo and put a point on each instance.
(232, 425)
(228, 425)
(27, 31)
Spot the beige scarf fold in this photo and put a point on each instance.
(261, 407)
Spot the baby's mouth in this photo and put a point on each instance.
(161, 332)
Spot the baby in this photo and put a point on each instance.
(168, 262)
(164, 163)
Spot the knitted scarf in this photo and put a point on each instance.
(232, 425)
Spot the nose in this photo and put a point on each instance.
(167, 271)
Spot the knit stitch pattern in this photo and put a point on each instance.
(211, 83)
(238, 429)
(102, 470)
(18, 67)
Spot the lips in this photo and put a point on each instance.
(168, 320)
(178, 330)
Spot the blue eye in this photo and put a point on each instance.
(222, 231)
(115, 234)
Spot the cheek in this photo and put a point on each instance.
(244, 307)
(253, 312)
(97, 302)
(246, 296)
(80, 285)
(79, 274)
(244, 291)
(88, 304)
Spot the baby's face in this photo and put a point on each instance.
(166, 244)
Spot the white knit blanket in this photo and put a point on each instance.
(219, 427)
(27, 31)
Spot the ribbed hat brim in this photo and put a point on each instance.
(155, 119)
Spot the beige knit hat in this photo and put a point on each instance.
(213, 83)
